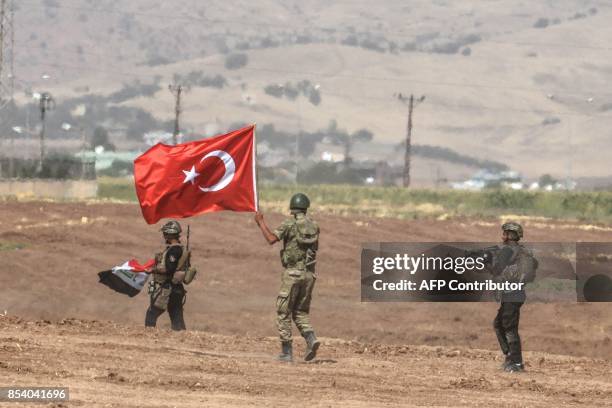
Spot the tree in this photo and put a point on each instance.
(546, 180)
(100, 138)
(342, 138)
(236, 61)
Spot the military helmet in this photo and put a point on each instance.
(299, 201)
(171, 228)
(513, 226)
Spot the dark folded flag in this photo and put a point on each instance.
(128, 278)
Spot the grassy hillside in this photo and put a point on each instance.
(503, 80)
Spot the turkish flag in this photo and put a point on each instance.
(192, 178)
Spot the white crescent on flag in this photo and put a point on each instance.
(230, 170)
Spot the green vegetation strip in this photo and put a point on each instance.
(402, 203)
(10, 246)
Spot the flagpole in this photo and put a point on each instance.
(256, 166)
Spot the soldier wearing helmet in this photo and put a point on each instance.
(506, 323)
(166, 288)
(300, 237)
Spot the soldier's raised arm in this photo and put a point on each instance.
(265, 230)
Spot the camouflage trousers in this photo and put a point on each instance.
(506, 326)
(293, 302)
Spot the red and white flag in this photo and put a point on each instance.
(192, 178)
(128, 278)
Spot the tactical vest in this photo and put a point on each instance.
(160, 274)
(522, 266)
(301, 244)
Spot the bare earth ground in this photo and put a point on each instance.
(406, 354)
(158, 368)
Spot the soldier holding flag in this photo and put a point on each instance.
(185, 180)
(300, 237)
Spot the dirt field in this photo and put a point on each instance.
(374, 354)
(196, 369)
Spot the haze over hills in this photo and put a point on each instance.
(521, 83)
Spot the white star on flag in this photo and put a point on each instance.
(190, 175)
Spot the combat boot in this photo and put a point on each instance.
(312, 345)
(286, 355)
(514, 368)
(506, 362)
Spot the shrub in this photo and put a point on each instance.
(409, 46)
(156, 59)
(134, 90)
(304, 39)
(269, 42)
(606, 107)
(59, 167)
(100, 138)
(373, 45)
(351, 41)
(314, 97)
(197, 78)
(551, 121)
(274, 90)
(236, 61)
(291, 92)
(452, 47)
(218, 81)
(118, 168)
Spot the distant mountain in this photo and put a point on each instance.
(524, 84)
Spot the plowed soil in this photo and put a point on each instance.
(61, 327)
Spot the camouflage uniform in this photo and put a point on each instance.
(297, 281)
(506, 324)
(166, 292)
(166, 264)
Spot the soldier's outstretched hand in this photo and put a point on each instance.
(259, 217)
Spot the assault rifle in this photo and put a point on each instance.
(190, 271)
(488, 254)
(187, 247)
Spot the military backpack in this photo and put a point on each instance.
(301, 251)
(523, 266)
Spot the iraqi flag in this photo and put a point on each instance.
(214, 174)
(128, 278)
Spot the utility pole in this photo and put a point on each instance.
(411, 105)
(298, 136)
(46, 103)
(7, 63)
(7, 68)
(176, 91)
(406, 178)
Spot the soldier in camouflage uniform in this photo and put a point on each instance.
(299, 235)
(166, 288)
(506, 322)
